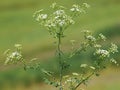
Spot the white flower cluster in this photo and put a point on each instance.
(59, 13)
(91, 38)
(56, 20)
(102, 53)
(13, 57)
(88, 36)
(16, 55)
(41, 17)
(59, 20)
(72, 80)
(101, 36)
(77, 9)
(113, 49)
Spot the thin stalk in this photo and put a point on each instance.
(60, 59)
(84, 80)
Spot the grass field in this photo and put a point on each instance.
(107, 81)
(18, 26)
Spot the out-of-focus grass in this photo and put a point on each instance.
(107, 81)
(18, 26)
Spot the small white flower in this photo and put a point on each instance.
(72, 9)
(101, 36)
(15, 55)
(53, 5)
(75, 74)
(113, 61)
(75, 8)
(41, 17)
(50, 24)
(91, 38)
(71, 21)
(44, 16)
(86, 5)
(57, 17)
(113, 48)
(83, 65)
(92, 67)
(69, 80)
(86, 31)
(97, 46)
(59, 12)
(61, 23)
(18, 46)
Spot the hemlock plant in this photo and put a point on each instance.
(56, 23)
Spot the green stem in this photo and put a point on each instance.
(60, 59)
(83, 80)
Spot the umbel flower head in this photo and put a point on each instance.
(60, 19)
(113, 49)
(14, 56)
(102, 53)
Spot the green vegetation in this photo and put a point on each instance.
(18, 26)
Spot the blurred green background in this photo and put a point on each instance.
(18, 26)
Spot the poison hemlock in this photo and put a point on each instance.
(57, 23)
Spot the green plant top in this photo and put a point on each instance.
(60, 19)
